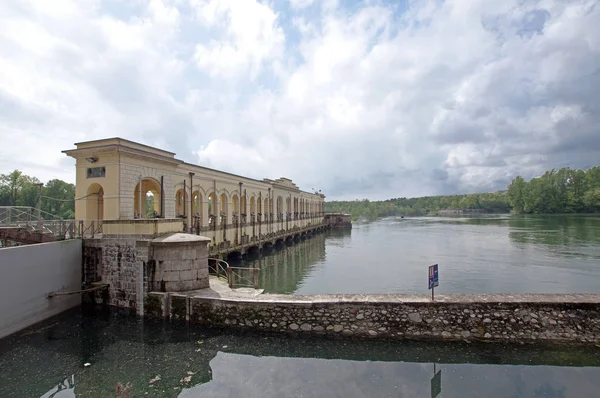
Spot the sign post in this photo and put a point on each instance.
(433, 279)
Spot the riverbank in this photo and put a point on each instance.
(517, 318)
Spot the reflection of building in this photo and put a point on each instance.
(283, 270)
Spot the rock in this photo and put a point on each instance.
(318, 328)
(338, 328)
(415, 317)
(465, 333)
(306, 327)
(360, 316)
(487, 320)
(274, 325)
(487, 335)
(372, 333)
(446, 335)
(552, 322)
(294, 326)
(154, 380)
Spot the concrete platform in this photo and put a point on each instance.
(219, 289)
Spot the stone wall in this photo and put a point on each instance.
(179, 263)
(131, 267)
(516, 318)
(122, 264)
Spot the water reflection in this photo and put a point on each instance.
(555, 230)
(64, 389)
(197, 362)
(284, 269)
(477, 254)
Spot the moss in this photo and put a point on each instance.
(178, 307)
(153, 305)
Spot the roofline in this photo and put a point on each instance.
(270, 182)
(124, 140)
(181, 162)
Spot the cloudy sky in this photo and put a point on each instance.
(366, 98)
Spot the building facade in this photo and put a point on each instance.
(117, 180)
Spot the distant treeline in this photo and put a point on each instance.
(56, 197)
(557, 191)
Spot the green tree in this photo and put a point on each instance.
(516, 194)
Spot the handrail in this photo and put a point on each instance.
(220, 271)
(231, 272)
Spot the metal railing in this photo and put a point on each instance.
(218, 268)
(235, 276)
(242, 277)
(38, 221)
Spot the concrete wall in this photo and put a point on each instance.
(29, 273)
(505, 318)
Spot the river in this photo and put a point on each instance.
(86, 353)
(482, 254)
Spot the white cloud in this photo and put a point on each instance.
(247, 37)
(370, 101)
(299, 4)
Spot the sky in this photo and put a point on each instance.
(359, 99)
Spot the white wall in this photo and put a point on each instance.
(29, 273)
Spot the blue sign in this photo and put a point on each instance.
(433, 276)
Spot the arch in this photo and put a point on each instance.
(279, 205)
(224, 203)
(266, 209)
(271, 205)
(95, 202)
(180, 200)
(197, 203)
(151, 198)
(243, 208)
(253, 205)
(212, 203)
(295, 205)
(288, 205)
(235, 204)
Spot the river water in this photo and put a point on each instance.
(191, 361)
(484, 254)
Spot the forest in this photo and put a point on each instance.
(56, 197)
(556, 191)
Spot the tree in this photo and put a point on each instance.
(59, 198)
(516, 194)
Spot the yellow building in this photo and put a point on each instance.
(115, 178)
